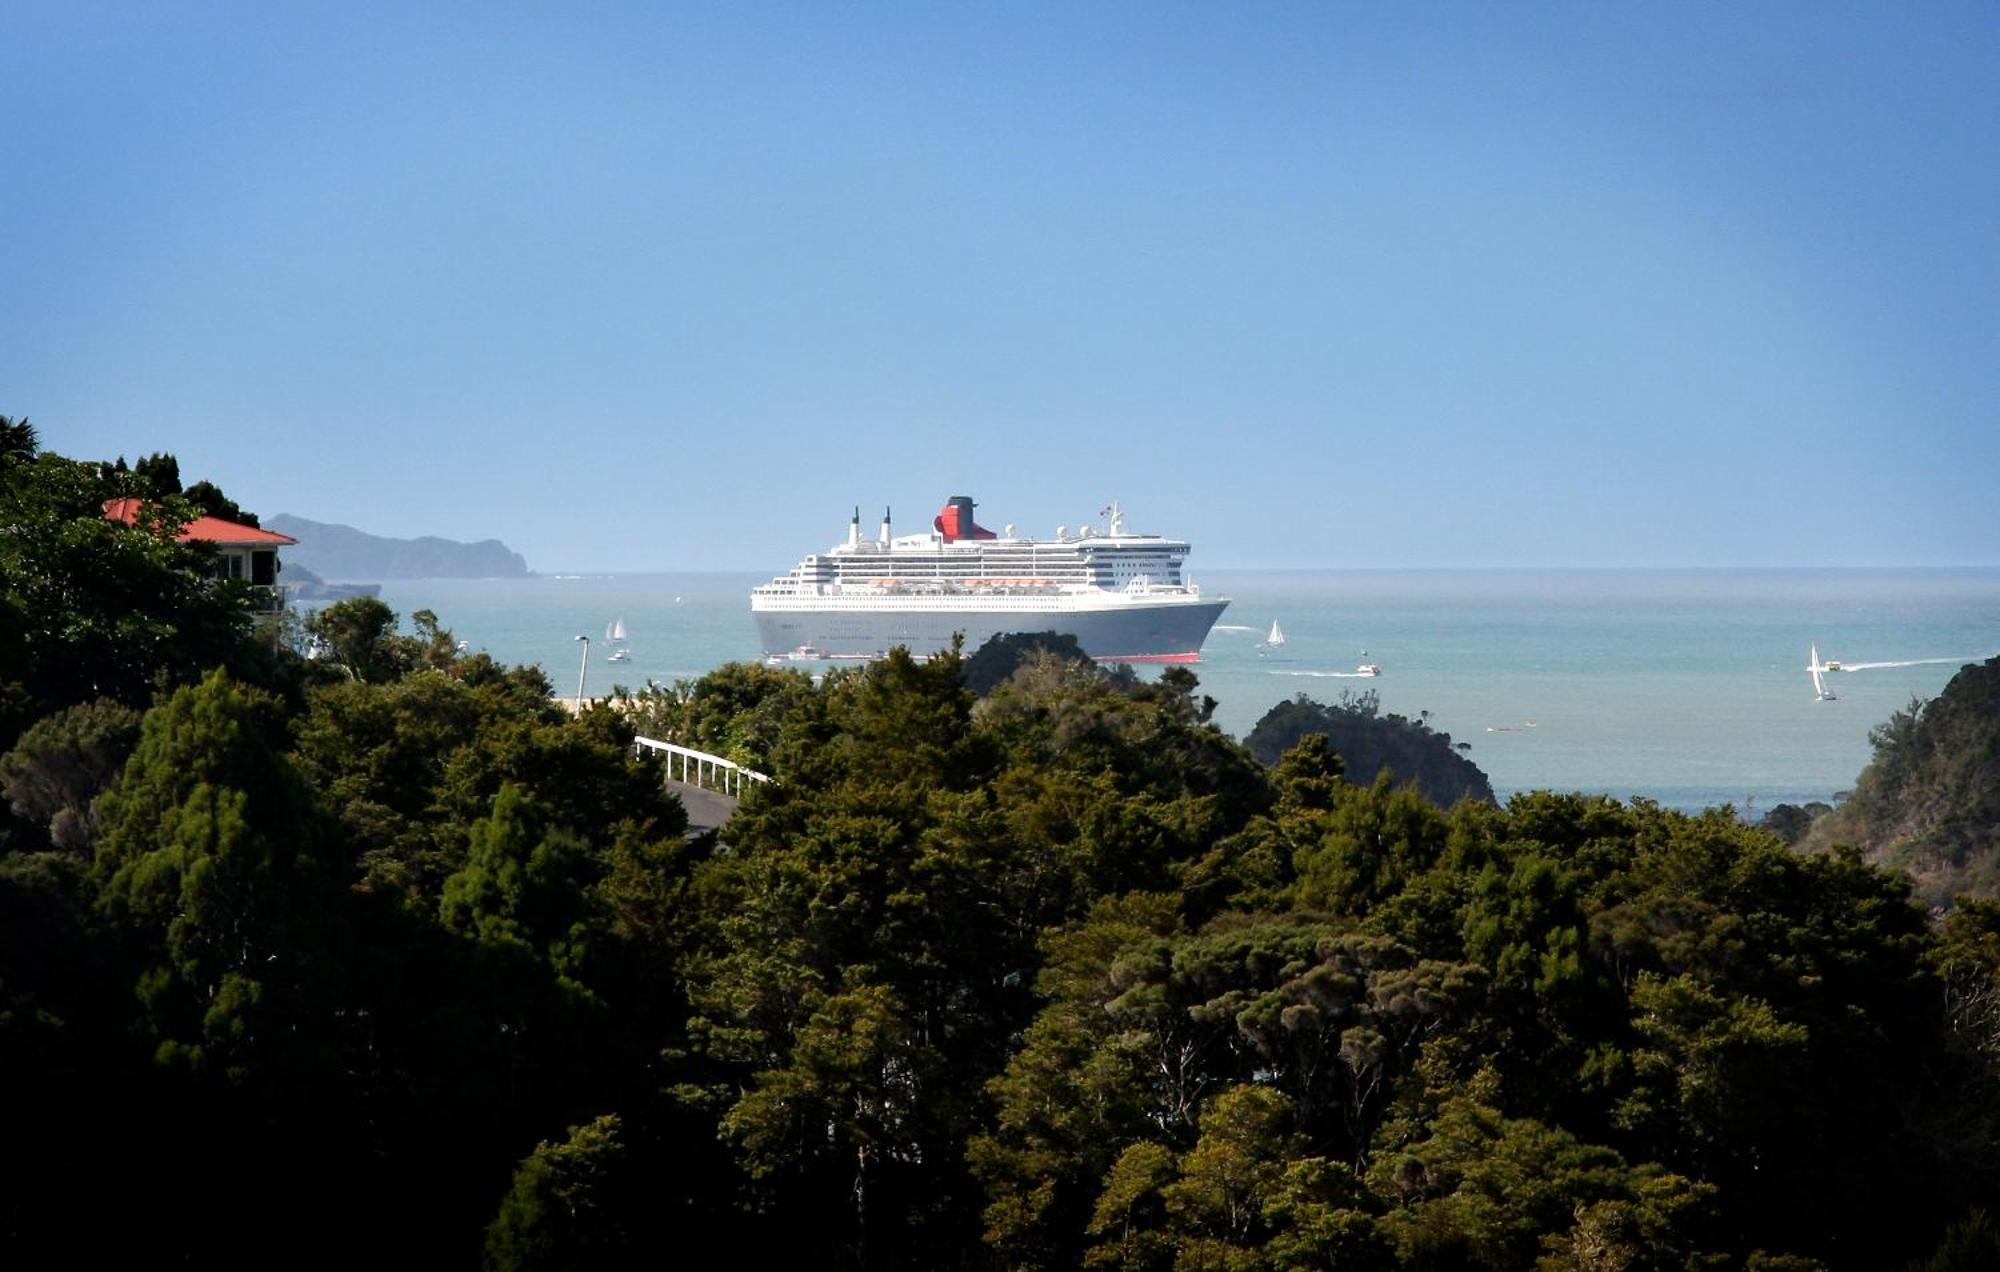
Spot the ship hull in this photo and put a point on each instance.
(1169, 632)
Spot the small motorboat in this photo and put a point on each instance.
(1368, 669)
(620, 655)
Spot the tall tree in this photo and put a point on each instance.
(62, 764)
(18, 440)
(160, 472)
(213, 860)
(562, 1213)
(359, 634)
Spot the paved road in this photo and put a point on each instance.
(706, 810)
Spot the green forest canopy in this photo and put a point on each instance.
(385, 954)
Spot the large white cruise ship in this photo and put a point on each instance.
(1121, 595)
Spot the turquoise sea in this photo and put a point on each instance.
(1685, 686)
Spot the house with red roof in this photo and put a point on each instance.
(244, 553)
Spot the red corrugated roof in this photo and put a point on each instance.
(202, 529)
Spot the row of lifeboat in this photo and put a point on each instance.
(931, 584)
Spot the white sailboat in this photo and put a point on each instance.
(1276, 638)
(1817, 670)
(615, 636)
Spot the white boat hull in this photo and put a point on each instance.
(1121, 630)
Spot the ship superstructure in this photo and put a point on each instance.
(1124, 596)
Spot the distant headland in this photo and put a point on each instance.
(335, 551)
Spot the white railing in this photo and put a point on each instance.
(699, 768)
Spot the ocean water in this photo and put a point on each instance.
(1685, 686)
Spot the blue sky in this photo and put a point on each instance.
(658, 287)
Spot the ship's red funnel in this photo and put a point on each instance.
(954, 521)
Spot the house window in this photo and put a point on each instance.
(263, 568)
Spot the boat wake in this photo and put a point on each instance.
(1909, 662)
(1232, 627)
(1820, 670)
(1328, 675)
